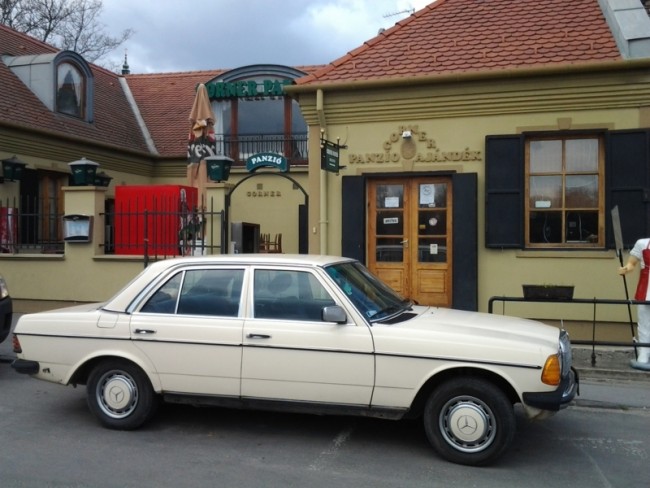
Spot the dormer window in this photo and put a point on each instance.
(63, 81)
(70, 90)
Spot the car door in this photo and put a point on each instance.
(291, 354)
(191, 330)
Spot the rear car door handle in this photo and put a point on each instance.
(258, 336)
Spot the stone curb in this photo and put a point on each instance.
(604, 363)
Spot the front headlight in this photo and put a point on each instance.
(4, 292)
(566, 354)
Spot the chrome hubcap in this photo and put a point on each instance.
(117, 394)
(467, 424)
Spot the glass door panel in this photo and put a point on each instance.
(389, 223)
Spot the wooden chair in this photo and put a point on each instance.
(264, 242)
(275, 245)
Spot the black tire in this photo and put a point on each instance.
(120, 395)
(469, 421)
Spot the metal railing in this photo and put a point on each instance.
(27, 228)
(31, 225)
(162, 234)
(241, 147)
(594, 323)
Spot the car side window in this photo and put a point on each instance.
(211, 292)
(199, 292)
(289, 295)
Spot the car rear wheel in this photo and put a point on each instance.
(469, 421)
(120, 395)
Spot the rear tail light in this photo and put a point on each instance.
(16, 344)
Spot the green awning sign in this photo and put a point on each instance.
(267, 160)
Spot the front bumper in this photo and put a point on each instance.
(6, 314)
(25, 367)
(557, 399)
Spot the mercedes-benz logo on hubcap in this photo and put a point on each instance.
(116, 394)
(466, 424)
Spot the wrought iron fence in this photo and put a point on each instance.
(36, 226)
(31, 225)
(161, 234)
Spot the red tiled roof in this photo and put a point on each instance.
(114, 122)
(457, 36)
(165, 101)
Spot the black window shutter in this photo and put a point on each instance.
(465, 242)
(628, 187)
(504, 188)
(353, 239)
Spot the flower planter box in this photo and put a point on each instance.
(548, 292)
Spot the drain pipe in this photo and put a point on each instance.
(323, 221)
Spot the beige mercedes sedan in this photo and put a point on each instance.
(316, 334)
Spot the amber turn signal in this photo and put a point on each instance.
(552, 372)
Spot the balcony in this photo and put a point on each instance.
(241, 147)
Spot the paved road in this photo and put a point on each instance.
(50, 439)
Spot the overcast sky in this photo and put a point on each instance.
(177, 35)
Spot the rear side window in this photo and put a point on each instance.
(214, 292)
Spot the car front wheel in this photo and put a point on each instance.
(469, 421)
(120, 395)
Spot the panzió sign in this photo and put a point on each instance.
(411, 144)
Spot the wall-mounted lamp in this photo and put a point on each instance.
(218, 167)
(102, 179)
(12, 169)
(83, 172)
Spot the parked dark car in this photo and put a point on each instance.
(6, 310)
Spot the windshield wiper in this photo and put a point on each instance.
(392, 310)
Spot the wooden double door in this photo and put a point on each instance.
(410, 237)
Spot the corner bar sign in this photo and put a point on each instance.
(267, 160)
(329, 156)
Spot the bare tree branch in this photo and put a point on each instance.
(66, 24)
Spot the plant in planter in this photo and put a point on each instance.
(548, 292)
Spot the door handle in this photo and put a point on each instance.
(258, 336)
(145, 331)
(405, 242)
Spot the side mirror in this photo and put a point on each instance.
(335, 313)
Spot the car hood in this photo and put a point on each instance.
(468, 335)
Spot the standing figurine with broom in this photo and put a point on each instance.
(640, 253)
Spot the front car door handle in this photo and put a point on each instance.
(145, 331)
(258, 336)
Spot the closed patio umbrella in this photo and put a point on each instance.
(201, 141)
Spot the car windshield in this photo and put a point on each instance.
(373, 298)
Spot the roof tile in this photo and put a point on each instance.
(114, 122)
(450, 36)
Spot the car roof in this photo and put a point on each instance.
(124, 297)
(248, 259)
